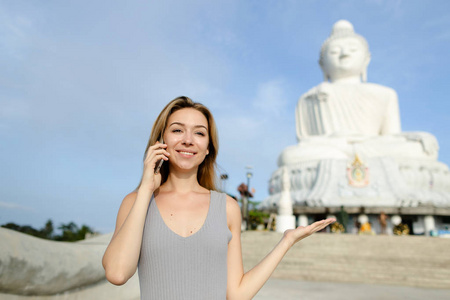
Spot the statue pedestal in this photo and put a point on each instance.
(285, 222)
(331, 183)
(303, 220)
(430, 224)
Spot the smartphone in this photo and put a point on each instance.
(158, 166)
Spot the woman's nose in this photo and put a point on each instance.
(187, 139)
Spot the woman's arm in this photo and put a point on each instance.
(121, 257)
(122, 254)
(245, 286)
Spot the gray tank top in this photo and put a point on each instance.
(173, 267)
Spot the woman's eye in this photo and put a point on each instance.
(176, 130)
(200, 133)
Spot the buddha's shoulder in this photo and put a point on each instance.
(378, 87)
(365, 87)
(315, 90)
(328, 88)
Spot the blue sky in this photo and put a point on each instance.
(81, 83)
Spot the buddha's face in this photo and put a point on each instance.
(345, 57)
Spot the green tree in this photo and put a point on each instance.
(47, 231)
(27, 229)
(70, 231)
(83, 231)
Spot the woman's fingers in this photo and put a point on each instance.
(323, 223)
(156, 154)
(318, 226)
(302, 232)
(156, 148)
(157, 145)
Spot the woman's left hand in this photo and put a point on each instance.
(301, 232)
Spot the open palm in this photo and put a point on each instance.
(301, 232)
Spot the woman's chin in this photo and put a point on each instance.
(186, 167)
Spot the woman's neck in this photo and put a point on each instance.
(182, 182)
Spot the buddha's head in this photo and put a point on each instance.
(344, 54)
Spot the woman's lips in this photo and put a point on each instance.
(186, 153)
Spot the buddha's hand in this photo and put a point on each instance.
(429, 142)
(317, 94)
(150, 178)
(301, 232)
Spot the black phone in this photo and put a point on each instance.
(158, 166)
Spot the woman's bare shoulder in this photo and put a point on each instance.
(128, 202)
(232, 203)
(124, 210)
(131, 197)
(233, 209)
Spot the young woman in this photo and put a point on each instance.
(182, 235)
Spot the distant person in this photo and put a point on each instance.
(182, 235)
(342, 218)
(357, 226)
(383, 223)
(366, 228)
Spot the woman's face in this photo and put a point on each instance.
(187, 139)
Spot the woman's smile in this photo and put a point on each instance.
(186, 153)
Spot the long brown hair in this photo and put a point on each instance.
(206, 174)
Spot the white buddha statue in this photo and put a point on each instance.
(345, 115)
(351, 150)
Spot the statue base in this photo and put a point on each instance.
(382, 182)
(285, 222)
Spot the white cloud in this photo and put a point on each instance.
(9, 205)
(15, 32)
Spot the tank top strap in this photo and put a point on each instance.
(218, 213)
(218, 206)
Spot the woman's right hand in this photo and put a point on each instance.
(155, 153)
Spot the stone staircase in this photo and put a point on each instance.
(397, 260)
